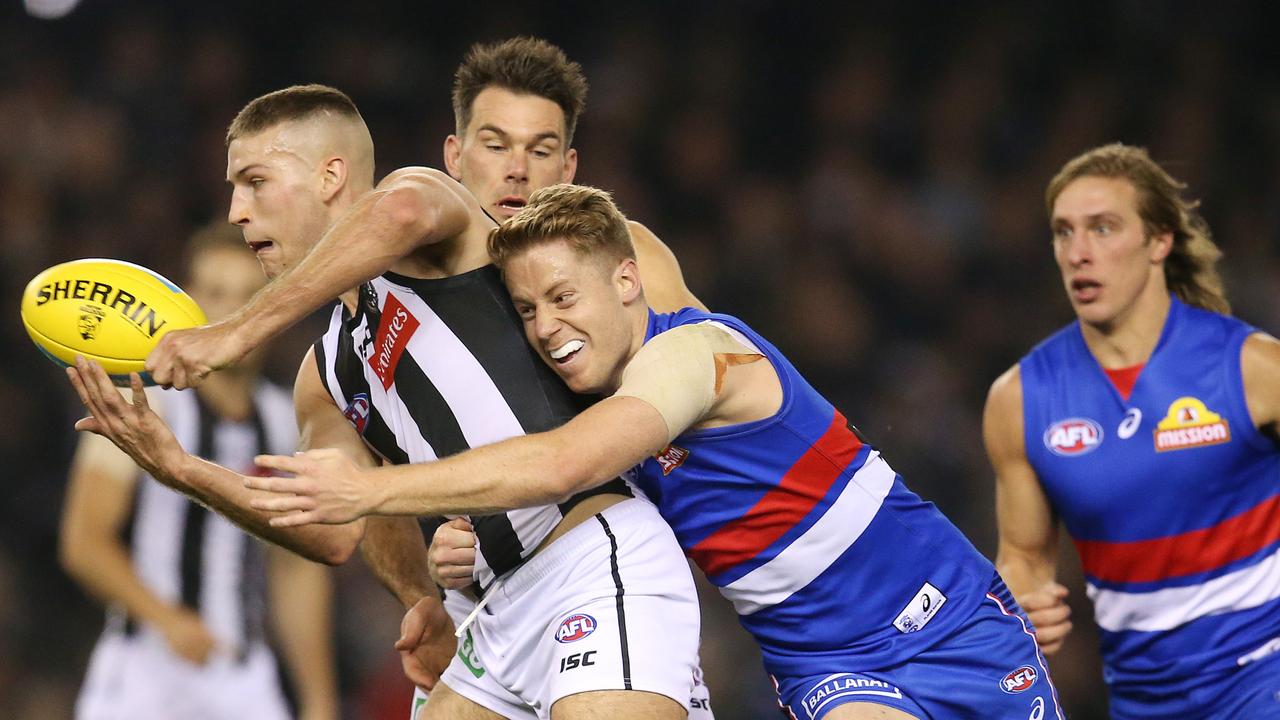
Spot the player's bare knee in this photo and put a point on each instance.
(617, 705)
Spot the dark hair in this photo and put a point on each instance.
(584, 217)
(1190, 270)
(292, 103)
(522, 65)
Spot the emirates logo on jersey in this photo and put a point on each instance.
(394, 330)
(671, 458)
(1189, 424)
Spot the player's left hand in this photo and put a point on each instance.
(184, 358)
(131, 425)
(326, 487)
(426, 644)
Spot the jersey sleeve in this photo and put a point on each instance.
(676, 372)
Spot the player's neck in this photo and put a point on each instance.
(229, 393)
(1131, 337)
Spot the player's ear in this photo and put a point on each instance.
(626, 278)
(570, 166)
(1161, 246)
(453, 157)
(333, 177)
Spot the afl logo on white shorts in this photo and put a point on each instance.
(575, 627)
(1075, 436)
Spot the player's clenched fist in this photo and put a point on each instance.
(452, 558)
(1049, 613)
(184, 358)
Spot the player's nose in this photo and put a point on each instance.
(238, 212)
(518, 166)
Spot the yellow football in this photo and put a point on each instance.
(109, 311)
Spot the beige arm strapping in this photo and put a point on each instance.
(675, 372)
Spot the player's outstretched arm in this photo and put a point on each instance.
(591, 449)
(302, 617)
(674, 382)
(412, 207)
(1027, 557)
(1260, 367)
(99, 496)
(137, 430)
(664, 285)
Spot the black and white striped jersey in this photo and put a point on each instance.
(428, 368)
(184, 552)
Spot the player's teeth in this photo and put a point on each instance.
(564, 350)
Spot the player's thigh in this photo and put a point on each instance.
(445, 704)
(617, 705)
(867, 711)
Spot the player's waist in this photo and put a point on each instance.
(578, 533)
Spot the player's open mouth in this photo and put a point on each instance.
(1084, 289)
(512, 203)
(566, 352)
(260, 246)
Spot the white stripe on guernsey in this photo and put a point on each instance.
(1116, 610)
(161, 512)
(482, 413)
(330, 341)
(801, 562)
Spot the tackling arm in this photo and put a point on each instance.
(1027, 557)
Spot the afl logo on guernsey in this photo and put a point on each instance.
(575, 627)
(357, 411)
(1189, 424)
(1074, 436)
(1019, 680)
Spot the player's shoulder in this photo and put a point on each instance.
(1261, 353)
(1006, 390)
(414, 173)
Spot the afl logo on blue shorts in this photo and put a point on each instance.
(1075, 436)
(1019, 680)
(575, 627)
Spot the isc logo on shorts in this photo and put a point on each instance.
(1019, 680)
(575, 627)
(1075, 436)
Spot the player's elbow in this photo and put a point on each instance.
(340, 544)
(75, 554)
(405, 213)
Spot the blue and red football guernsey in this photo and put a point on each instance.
(1173, 500)
(828, 558)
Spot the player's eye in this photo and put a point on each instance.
(256, 182)
(541, 154)
(494, 147)
(564, 298)
(525, 311)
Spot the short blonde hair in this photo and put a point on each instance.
(1190, 270)
(585, 217)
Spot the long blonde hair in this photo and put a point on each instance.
(1190, 270)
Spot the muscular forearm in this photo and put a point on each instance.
(364, 243)
(224, 491)
(1025, 572)
(395, 550)
(303, 618)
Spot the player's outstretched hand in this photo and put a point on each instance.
(130, 424)
(187, 636)
(426, 643)
(1048, 610)
(184, 358)
(452, 557)
(326, 487)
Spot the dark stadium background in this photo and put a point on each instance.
(860, 181)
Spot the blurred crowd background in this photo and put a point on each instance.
(862, 182)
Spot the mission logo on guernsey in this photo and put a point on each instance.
(1189, 424)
